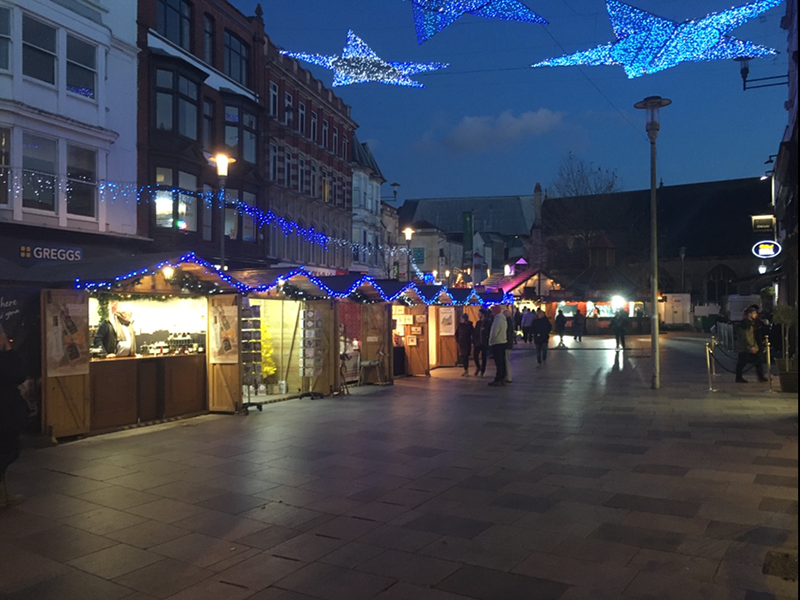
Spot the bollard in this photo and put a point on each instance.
(713, 356)
(708, 368)
(769, 361)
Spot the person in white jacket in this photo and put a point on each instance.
(498, 339)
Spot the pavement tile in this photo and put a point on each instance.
(258, 572)
(164, 578)
(146, 535)
(198, 549)
(75, 585)
(638, 536)
(330, 582)
(63, 543)
(765, 536)
(112, 562)
(408, 567)
(488, 584)
(474, 552)
(448, 525)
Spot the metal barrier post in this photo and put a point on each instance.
(769, 361)
(713, 358)
(708, 368)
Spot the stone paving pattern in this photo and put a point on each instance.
(575, 482)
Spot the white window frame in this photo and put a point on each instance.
(53, 53)
(91, 69)
(5, 39)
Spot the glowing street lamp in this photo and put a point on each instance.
(222, 161)
(652, 104)
(408, 232)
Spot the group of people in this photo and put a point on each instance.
(494, 335)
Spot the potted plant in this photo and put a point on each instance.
(786, 317)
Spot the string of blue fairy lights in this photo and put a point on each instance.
(426, 296)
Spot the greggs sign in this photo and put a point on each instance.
(51, 253)
(767, 249)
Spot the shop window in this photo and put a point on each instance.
(208, 39)
(39, 172)
(249, 233)
(38, 50)
(176, 208)
(5, 39)
(187, 202)
(237, 58)
(5, 165)
(208, 125)
(273, 99)
(81, 181)
(81, 67)
(174, 21)
(232, 214)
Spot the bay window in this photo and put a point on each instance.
(38, 50)
(5, 39)
(81, 181)
(176, 207)
(39, 172)
(81, 67)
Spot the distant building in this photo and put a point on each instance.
(67, 139)
(391, 256)
(367, 222)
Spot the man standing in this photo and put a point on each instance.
(498, 339)
(527, 321)
(464, 333)
(481, 341)
(747, 347)
(619, 325)
(511, 332)
(561, 326)
(541, 336)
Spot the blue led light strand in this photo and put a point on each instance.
(647, 44)
(358, 63)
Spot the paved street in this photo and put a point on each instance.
(574, 482)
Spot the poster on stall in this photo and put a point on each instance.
(224, 336)
(67, 334)
(447, 320)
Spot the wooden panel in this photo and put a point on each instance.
(65, 405)
(448, 349)
(113, 393)
(65, 399)
(184, 385)
(417, 356)
(224, 380)
(376, 339)
(149, 390)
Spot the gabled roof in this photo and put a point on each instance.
(363, 157)
(506, 215)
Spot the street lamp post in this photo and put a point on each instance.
(652, 104)
(408, 232)
(395, 186)
(222, 161)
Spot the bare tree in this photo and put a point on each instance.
(576, 177)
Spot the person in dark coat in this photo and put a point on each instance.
(747, 346)
(541, 336)
(561, 327)
(13, 414)
(480, 341)
(619, 325)
(578, 325)
(464, 333)
(512, 339)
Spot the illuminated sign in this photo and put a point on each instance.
(767, 249)
(51, 253)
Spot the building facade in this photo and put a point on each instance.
(368, 236)
(212, 82)
(67, 142)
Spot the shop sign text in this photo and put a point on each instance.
(51, 253)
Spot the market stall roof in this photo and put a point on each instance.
(393, 288)
(464, 295)
(264, 279)
(105, 273)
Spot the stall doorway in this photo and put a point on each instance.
(433, 337)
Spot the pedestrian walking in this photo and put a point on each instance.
(528, 317)
(619, 325)
(747, 346)
(578, 325)
(541, 336)
(464, 333)
(561, 326)
(498, 340)
(512, 339)
(517, 318)
(13, 414)
(480, 341)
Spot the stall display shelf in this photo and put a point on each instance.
(252, 381)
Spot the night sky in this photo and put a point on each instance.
(492, 125)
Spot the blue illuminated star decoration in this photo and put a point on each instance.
(359, 64)
(431, 16)
(647, 44)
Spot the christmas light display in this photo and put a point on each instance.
(284, 284)
(359, 64)
(431, 16)
(647, 44)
